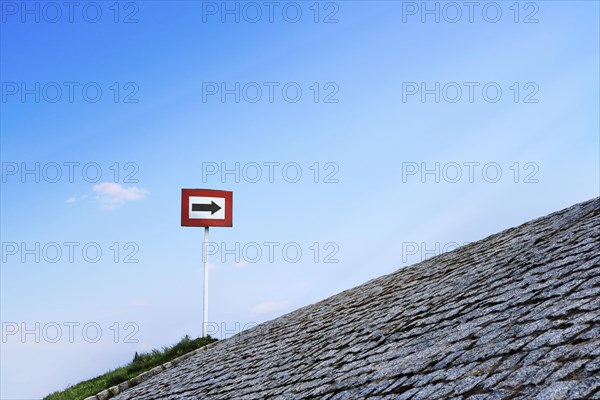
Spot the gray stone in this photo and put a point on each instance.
(103, 395)
(557, 390)
(511, 316)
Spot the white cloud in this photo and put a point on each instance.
(242, 264)
(269, 307)
(73, 199)
(113, 195)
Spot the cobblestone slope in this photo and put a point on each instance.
(516, 315)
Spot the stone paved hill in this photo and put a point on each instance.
(516, 315)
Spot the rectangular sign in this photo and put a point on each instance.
(206, 207)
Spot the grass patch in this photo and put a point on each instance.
(141, 363)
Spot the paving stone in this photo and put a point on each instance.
(513, 316)
(556, 390)
(464, 385)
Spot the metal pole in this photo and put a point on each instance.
(205, 257)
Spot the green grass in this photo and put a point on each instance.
(140, 363)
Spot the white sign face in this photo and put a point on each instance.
(201, 207)
(206, 207)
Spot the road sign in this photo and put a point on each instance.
(206, 207)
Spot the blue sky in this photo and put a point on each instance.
(372, 217)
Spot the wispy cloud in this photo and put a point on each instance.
(269, 307)
(74, 199)
(113, 195)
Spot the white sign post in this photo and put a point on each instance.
(205, 257)
(204, 208)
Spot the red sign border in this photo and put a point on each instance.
(185, 207)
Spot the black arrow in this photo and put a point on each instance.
(212, 207)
